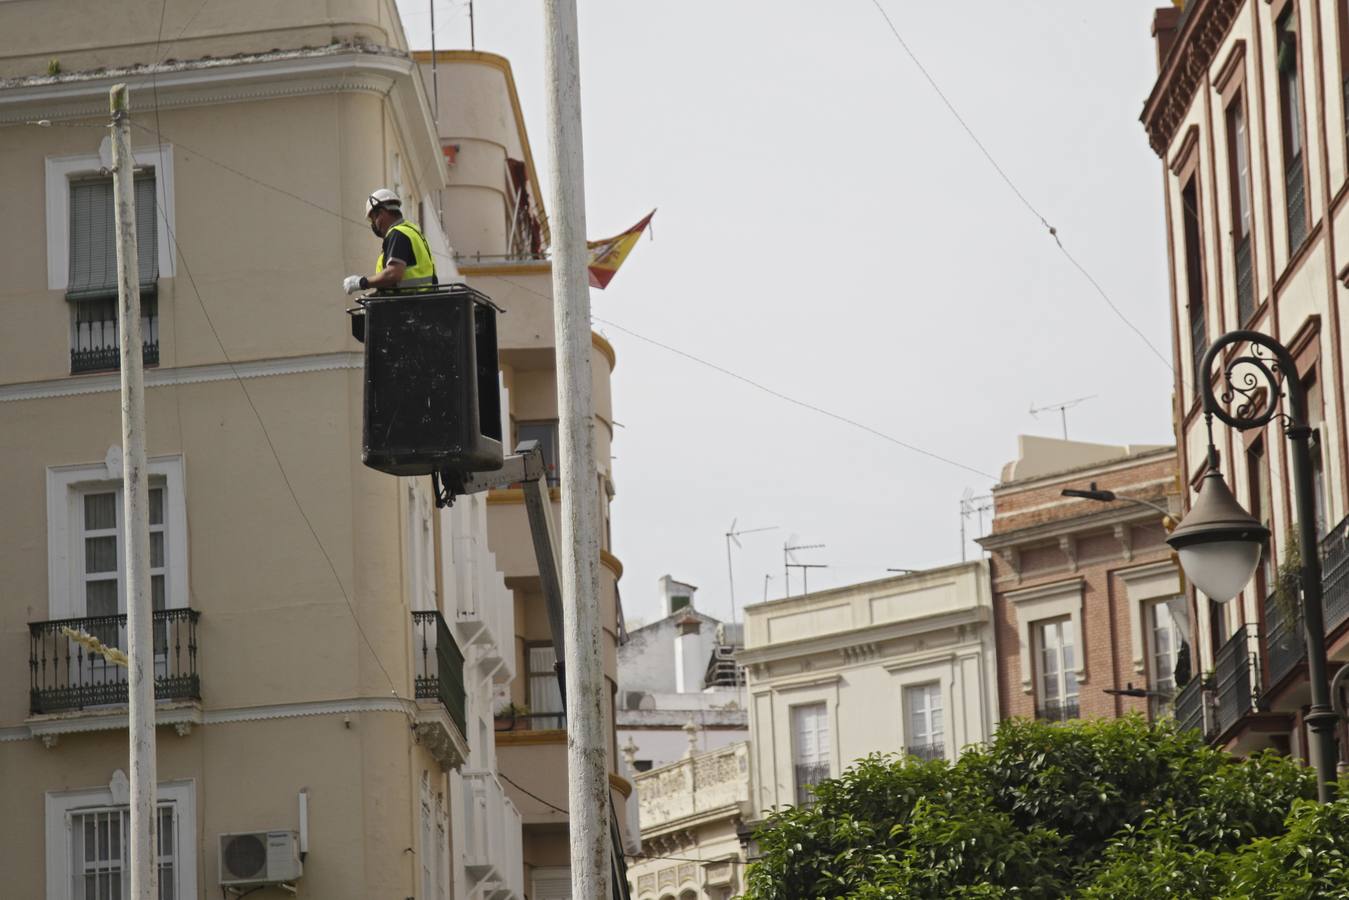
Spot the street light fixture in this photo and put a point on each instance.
(1219, 543)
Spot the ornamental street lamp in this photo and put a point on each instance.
(1219, 543)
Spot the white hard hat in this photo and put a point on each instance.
(383, 198)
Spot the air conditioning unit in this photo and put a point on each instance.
(259, 857)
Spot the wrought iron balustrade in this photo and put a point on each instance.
(96, 346)
(439, 665)
(1335, 575)
(1232, 668)
(807, 776)
(1285, 644)
(930, 751)
(1188, 705)
(65, 675)
(1058, 710)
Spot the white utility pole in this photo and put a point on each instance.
(136, 522)
(587, 763)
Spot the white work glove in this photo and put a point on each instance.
(351, 284)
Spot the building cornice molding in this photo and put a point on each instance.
(204, 82)
(163, 377)
(183, 716)
(1104, 467)
(1206, 25)
(871, 635)
(1125, 514)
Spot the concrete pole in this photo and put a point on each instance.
(136, 520)
(588, 782)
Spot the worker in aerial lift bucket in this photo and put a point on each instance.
(406, 259)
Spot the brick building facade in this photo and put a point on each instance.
(1086, 595)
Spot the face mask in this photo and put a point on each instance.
(375, 228)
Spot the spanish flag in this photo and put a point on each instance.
(608, 254)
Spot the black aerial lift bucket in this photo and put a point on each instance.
(432, 401)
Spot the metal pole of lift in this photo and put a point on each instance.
(587, 758)
(136, 521)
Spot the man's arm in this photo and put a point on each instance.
(389, 278)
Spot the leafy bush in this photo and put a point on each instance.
(1094, 809)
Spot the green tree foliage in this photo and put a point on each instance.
(1095, 809)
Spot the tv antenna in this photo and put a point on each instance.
(1062, 408)
(789, 562)
(733, 537)
(972, 505)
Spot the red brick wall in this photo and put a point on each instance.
(1105, 613)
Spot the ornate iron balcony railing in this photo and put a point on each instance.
(1058, 710)
(930, 751)
(64, 675)
(1189, 707)
(1232, 667)
(439, 665)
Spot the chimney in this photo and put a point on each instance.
(1166, 24)
(690, 661)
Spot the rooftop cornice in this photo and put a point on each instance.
(1124, 514)
(1201, 34)
(835, 641)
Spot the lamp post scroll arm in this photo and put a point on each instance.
(1242, 375)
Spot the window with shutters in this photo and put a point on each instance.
(810, 749)
(92, 285)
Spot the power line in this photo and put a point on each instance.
(793, 400)
(1053, 232)
(528, 792)
(762, 387)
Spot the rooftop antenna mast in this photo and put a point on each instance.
(1062, 408)
(789, 562)
(733, 536)
(971, 505)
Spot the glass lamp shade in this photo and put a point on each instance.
(1218, 542)
(1220, 568)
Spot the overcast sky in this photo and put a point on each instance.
(827, 229)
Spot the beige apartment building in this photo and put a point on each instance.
(1249, 119)
(898, 665)
(328, 644)
(495, 219)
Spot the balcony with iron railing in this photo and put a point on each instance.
(1190, 708)
(1058, 710)
(1335, 576)
(493, 852)
(927, 752)
(438, 684)
(1233, 680)
(1285, 644)
(65, 676)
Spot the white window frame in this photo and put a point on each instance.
(1051, 601)
(1144, 585)
(66, 486)
(60, 805)
(826, 750)
(1155, 673)
(1066, 629)
(926, 690)
(60, 170)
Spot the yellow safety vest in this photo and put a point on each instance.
(422, 268)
